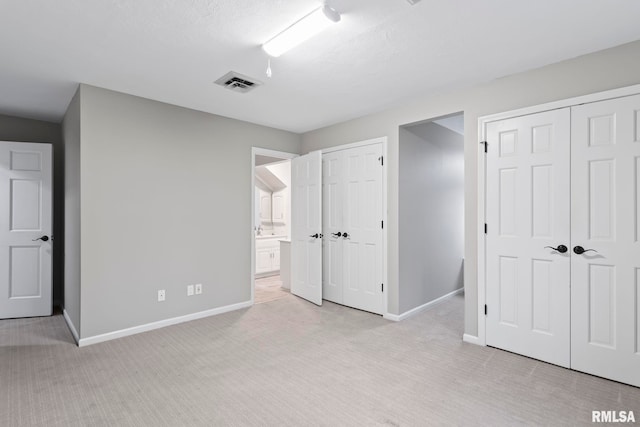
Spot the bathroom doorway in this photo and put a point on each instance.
(271, 225)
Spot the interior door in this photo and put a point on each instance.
(527, 214)
(332, 226)
(25, 230)
(605, 191)
(362, 222)
(306, 227)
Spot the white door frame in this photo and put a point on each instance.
(480, 339)
(385, 230)
(261, 152)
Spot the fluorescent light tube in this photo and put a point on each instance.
(302, 30)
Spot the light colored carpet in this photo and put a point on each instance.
(269, 289)
(289, 363)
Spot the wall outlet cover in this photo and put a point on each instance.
(161, 295)
(198, 288)
(189, 290)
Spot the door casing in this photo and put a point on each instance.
(262, 152)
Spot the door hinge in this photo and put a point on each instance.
(382, 287)
(381, 224)
(381, 158)
(485, 228)
(486, 145)
(485, 309)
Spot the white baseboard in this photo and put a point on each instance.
(71, 326)
(416, 310)
(471, 339)
(161, 324)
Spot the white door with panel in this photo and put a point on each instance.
(25, 230)
(528, 282)
(306, 227)
(333, 226)
(577, 305)
(605, 224)
(353, 228)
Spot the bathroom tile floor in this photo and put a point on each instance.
(269, 289)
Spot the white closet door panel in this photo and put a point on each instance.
(306, 227)
(332, 225)
(25, 216)
(605, 192)
(362, 209)
(527, 212)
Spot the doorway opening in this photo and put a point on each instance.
(431, 211)
(271, 224)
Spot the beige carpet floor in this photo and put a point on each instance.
(289, 363)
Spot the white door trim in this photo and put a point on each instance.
(481, 212)
(385, 230)
(252, 236)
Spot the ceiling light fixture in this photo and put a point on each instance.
(302, 30)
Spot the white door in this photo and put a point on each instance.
(25, 230)
(306, 227)
(352, 226)
(527, 214)
(605, 192)
(332, 226)
(362, 228)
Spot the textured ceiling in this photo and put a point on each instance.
(382, 53)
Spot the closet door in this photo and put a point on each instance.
(527, 214)
(362, 210)
(332, 226)
(605, 279)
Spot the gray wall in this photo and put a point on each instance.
(431, 212)
(71, 135)
(165, 202)
(608, 69)
(26, 130)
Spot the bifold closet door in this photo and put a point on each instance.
(528, 221)
(605, 223)
(352, 227)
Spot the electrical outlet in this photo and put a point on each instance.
(161, 295)
(198, 288)
(189, 290)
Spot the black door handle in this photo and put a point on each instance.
(345, 235)
(561, 248)
(315, 236)
(338, 234)
(43, 238)
(579, 250)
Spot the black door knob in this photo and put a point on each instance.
(579, 250)
(315, 236)
(43, 238)
(561, 248)
(338, 234)
(345, 235)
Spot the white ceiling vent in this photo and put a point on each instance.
(238, 82)
(412, 2)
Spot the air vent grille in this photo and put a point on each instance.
(237, 82)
